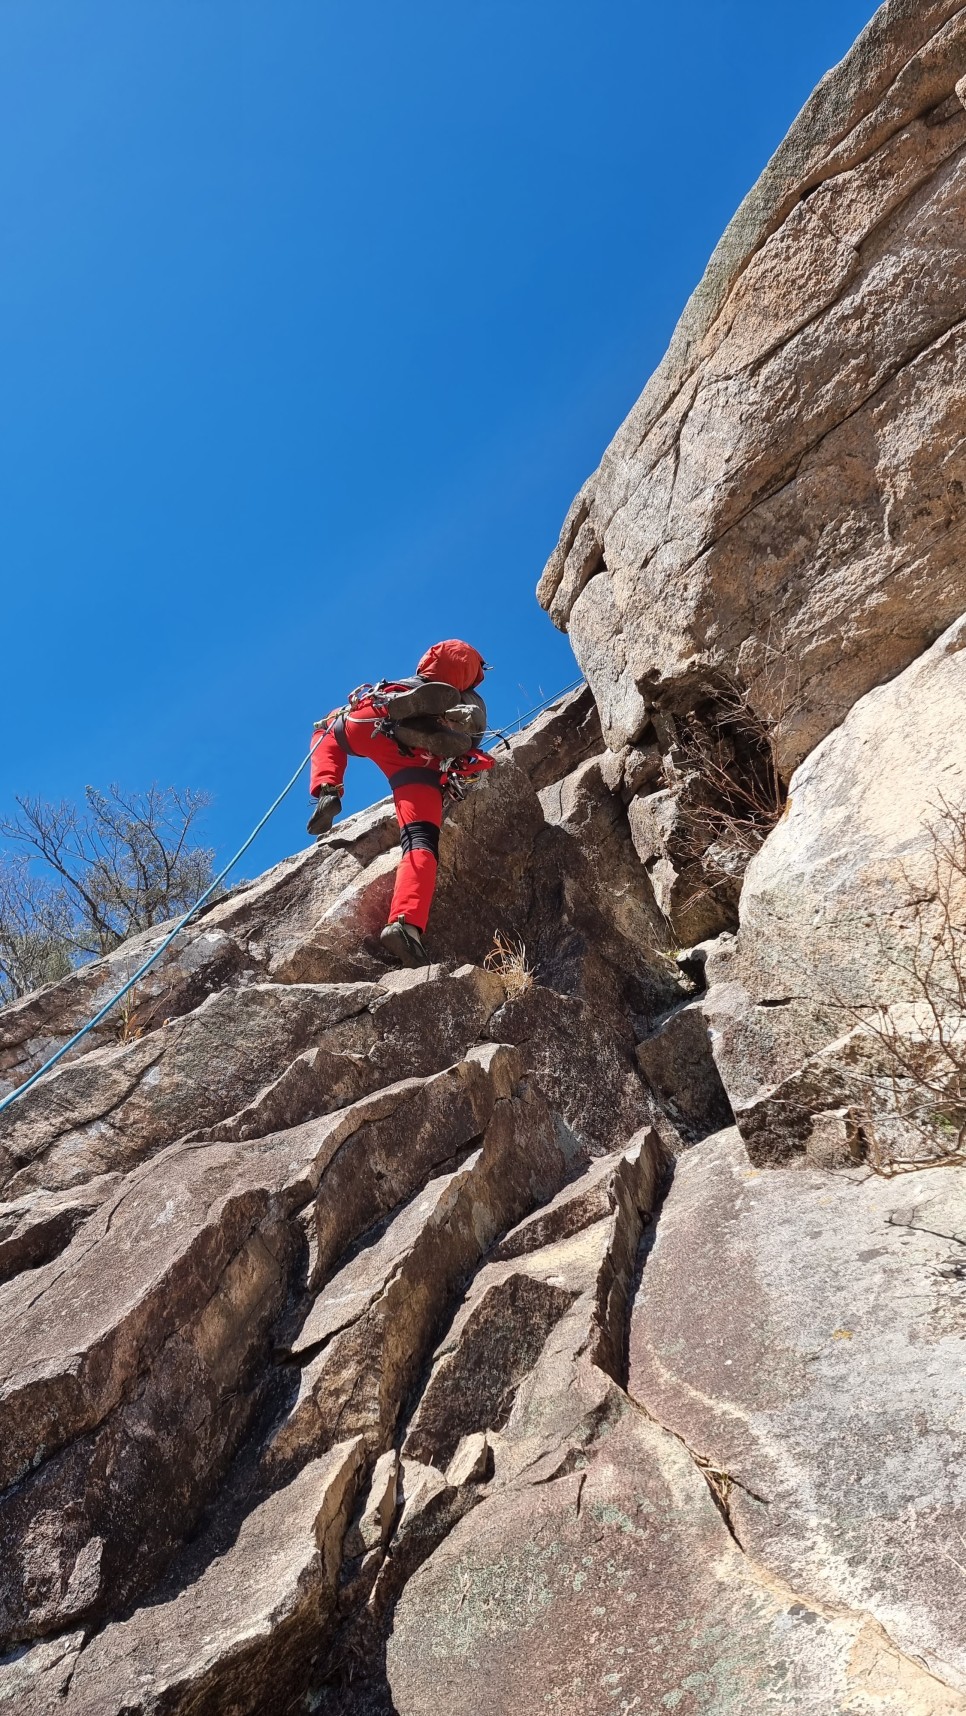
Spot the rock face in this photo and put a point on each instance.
(589, 1337)
(843, 909)
(822, 1416)
(233, 1239)
(781, 520)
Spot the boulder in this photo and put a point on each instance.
(812, 1358)
(841, 904)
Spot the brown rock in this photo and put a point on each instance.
(373, 1528)
(361, 1377)
(473, 1461)
(113, 1107)
(243, 1627)
(781, 506)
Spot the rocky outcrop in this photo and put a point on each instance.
(233, 1239)
(827, 1414)
(844, 912)
(578, 1322)
(779, 526)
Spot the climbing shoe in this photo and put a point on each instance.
(327, 807)
(404, 943)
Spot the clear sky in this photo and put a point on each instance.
(313, 318)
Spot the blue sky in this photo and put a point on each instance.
(313, 318)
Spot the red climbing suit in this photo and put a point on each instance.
(414, 777)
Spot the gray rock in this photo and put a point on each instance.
(838, 901)
(678, 1064)
(781, 507)
(812, 1357)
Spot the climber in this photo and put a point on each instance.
(423, 733)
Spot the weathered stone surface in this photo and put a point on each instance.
(128, 1373)
(316, 1276)
(373, 1527)
(514, 1362)
(613, 1588)
(33, 1680)
(839, 898)
(784, 505)
(382, 1163)
(600, 1570)
(358, 1382)
(473, 1461)
(677, 1062)
(813, 1357)
(38, 1225)
(582, 806)
(113, 1107)
(585, 1065)
(559, 740)
(241, 1630)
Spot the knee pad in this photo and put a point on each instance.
(419, 837)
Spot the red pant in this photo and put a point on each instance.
(416, 793)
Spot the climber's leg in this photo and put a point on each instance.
(325, 781)
(419, 808)
(418, 798)
(329, 761)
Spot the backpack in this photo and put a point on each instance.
(429, 715)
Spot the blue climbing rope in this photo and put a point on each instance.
(22, 1089)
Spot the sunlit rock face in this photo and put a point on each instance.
(576, 1324)
(782, 517)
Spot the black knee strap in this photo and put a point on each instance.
(414, 777)
(341, 736)
(419, 837)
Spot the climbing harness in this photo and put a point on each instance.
(459, 773)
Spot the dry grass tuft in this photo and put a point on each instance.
(508, 958)
(130, 1026)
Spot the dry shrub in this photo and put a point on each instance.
(733, 791)
(922, 1039)
(508, 958)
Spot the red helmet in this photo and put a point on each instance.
(455, 663)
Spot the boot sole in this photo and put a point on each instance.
(397, 945)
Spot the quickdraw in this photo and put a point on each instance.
(463, 772)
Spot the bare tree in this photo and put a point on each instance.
(33, 932)
(85, 878)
